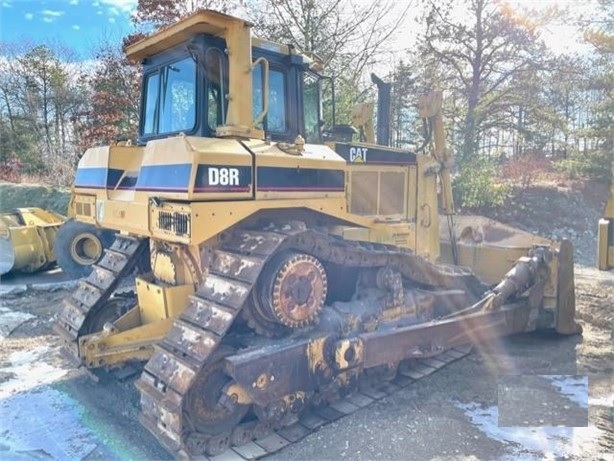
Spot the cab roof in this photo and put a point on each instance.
(202, 22)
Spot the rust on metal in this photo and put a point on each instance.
(209, 387)
(280, 379)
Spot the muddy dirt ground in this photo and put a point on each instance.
(530, 397)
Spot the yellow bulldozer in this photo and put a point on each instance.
(283, 266)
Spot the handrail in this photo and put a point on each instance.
(265, 90)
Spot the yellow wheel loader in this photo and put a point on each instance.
(26, 239)
(78, 245)
(33, 239)
(293, 273)
(605, 233)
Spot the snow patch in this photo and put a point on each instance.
(27, 370)
(575, 388)
(32, 412)
(9, 320)
(607, 401)
(531, 443)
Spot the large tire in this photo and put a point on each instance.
(79, 245)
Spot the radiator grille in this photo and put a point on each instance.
(381, 193)
(85, 205)
(175, 222)
(392, 193)
(364, 193)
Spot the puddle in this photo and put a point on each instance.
(531, 443)
(575, 388)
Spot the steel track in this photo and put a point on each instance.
(81, 308)
(199, 330)
(267, 440)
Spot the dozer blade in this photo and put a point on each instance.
(566, 296)
(26, 239)
(489, 248)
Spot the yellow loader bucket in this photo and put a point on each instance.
(26, 239)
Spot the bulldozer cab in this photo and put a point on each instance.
(186, 87)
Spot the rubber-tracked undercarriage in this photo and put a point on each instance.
(281, 281)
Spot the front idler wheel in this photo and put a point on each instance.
(203, 407)
(107, 313)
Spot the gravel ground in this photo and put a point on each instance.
(51, 411)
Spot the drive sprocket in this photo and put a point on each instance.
(292, 290)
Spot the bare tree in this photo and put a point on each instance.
(113, 95)
(39, 96)
(159, 13)
(346, 36)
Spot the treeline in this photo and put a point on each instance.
(52, 108)
(507, 97)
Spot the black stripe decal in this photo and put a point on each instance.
(218, 178)
(300, 179)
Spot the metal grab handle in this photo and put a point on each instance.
(265, 90)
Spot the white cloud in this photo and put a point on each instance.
(76, 27)
(126, 6)
(99, 12)
(73, 2)
(52, 13)
(111, 20)
(7, 5)
(28, 16)
(114, 11)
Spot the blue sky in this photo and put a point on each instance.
(80, 25)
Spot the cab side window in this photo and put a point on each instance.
(217, 93)
(152, 84)
(275, 119)
(311, 108)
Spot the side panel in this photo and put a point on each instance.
(391, 186)
(281, 173)
(427, 215)
(380, 182)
